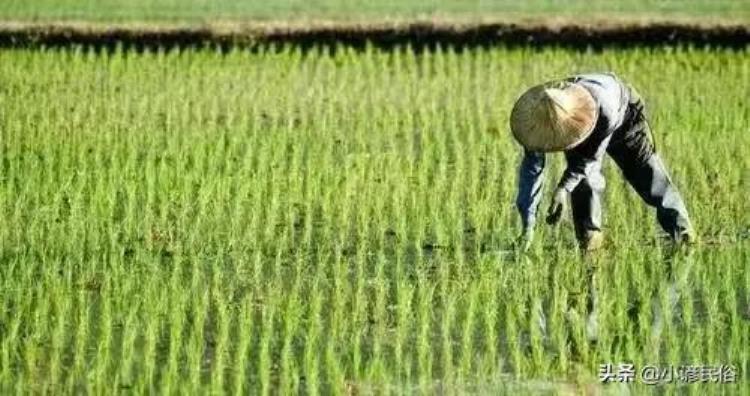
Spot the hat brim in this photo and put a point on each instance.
(541, 124)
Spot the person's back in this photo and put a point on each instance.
(609, 92)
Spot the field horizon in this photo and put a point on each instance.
(199, 11)
(418, 34)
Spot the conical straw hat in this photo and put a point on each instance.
(553, 116)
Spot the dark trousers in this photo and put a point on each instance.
(633, 151)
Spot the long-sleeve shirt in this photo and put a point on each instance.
(585, 159)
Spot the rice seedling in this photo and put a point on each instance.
(336, 221)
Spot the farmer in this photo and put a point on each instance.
(586, 116)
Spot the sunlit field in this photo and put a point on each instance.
(343, 222)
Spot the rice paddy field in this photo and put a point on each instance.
(338, 221)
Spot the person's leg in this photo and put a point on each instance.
(633, 151)
(592, 301)
(586, 207)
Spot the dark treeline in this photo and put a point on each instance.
(417, 36)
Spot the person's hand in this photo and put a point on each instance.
(554, 213)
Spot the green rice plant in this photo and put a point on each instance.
(339, 221)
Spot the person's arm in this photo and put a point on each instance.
(530, 182)
(581, 164)
(574, 172)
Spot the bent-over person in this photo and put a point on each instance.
(586, 116)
